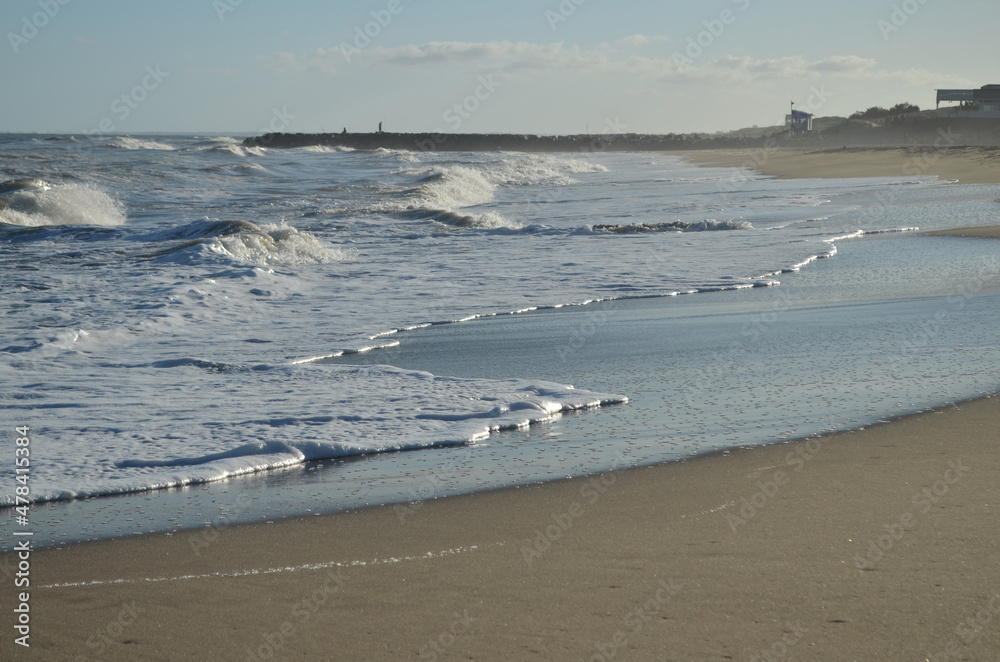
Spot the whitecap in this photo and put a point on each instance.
(128, 142)
(273, 244)
(65, 204)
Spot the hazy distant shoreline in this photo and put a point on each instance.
(477, 142)
(840, 133)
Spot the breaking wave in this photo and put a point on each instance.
(674, 226)
(443, 193)
(489, 221)
(34, 203)
(238, 150)
(243, 241)
(127, 142)
(324, 149)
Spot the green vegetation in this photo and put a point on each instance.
(878, 113)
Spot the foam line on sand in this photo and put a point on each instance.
(879, 543)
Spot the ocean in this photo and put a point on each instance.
(198, 332)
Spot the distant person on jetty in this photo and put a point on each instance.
(380, 127)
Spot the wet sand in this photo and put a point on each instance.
(968, 165)
(874, 544)
(991, 232)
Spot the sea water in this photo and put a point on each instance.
(186, 310)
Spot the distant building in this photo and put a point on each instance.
(799, 121)
(981, 103)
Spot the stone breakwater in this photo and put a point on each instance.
(477, 142)
(926, 132)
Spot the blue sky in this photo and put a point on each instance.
(555, 66)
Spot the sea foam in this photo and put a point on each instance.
(286, 415)
(274, 244)
(64, 204)
(127, 142)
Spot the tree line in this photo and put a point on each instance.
(878, 113)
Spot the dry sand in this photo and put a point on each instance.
(968, 165)
(876, 544)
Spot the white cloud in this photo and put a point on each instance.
(640, 40)
(498, 55)
(322, 60)
(844, 64)
(747, 68)
(603, 60)
(456, 52)
(286, 63)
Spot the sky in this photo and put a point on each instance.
(517, 66)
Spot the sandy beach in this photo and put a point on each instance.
(967, 165)
(873, 544)
(879, 543)
(501, 332)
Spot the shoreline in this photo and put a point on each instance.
(962, 165)
(988, 232)
(336, 485)
(832, 547)
(879, 545)
(934, 133)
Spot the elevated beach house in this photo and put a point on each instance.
(982, 103)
